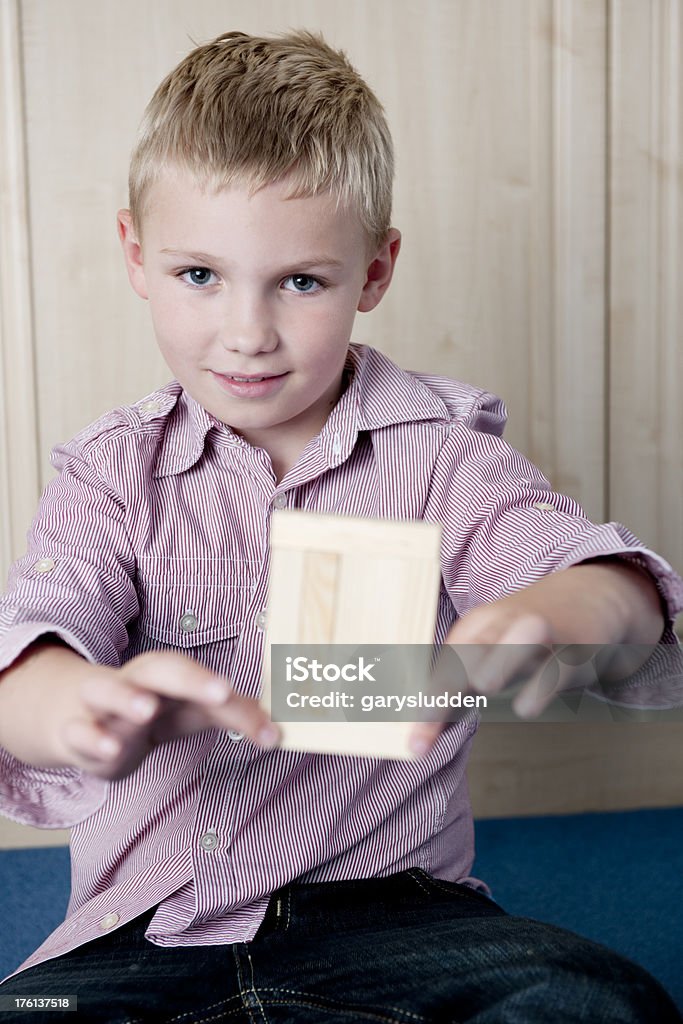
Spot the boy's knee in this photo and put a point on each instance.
(544, 973)
(592, 983)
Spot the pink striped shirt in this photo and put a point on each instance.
(157, 521)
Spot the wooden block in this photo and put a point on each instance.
(344, 580)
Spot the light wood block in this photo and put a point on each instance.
(343, 580)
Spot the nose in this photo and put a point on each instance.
(248, 326)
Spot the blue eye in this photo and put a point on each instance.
(305, 279)
(198, 276)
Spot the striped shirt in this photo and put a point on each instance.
(160, 510)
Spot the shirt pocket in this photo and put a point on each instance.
(187, 603)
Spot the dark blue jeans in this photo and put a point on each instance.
(406, 949)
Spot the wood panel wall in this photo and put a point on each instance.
(644, 345)
(539, 194)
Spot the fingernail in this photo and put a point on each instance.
(484, 683)
(268, 736)
(216, 691)
(525, 708)
(418, 745)
(143, 707)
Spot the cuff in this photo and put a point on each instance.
(48, 797)
(45, 797)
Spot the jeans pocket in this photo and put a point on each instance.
(455, 890)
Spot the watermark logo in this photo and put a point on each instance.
(303, 670)
(577, 683)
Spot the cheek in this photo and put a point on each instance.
(172, 319)
(163, 326)
(329, 325)
(173, 342)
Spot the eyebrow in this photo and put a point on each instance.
(309, 264)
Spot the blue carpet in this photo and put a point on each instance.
(616, 878)
(35, 891)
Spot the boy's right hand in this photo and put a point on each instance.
(121, 714)
(106, 720)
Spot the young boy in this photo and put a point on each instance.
(215, 876)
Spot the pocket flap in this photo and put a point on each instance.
(188, 602)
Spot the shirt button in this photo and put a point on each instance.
(336, 446)
(260, 620)
(235, 736)
(109, 921)
(209, 841)
(280, 500)
(149, 406)
(544, 506)
(44, 565)
(188, 622)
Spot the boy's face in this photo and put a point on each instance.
(242, 288)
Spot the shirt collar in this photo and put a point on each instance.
(379, 394)
(186, 428)
(385, 394)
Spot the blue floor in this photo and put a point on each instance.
(616, 878)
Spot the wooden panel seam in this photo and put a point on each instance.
(568, 111)
(19, 475)
(646, 239)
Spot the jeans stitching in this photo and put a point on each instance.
(242, 983)
(253, 987)
(417, 880)
(437, 883)
(188, 1013)
(353, 1012)
(207, 1020)
(460, 892)
(333, 1005)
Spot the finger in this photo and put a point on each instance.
(237, 714)
(422, 738)
(177, 677)
(246, 715)
(522, 648)
(556, 676)
(553, 679)
(92, 748)
(507, 666)
(457, 665)
(173, 675)
(493, 660)
(451, 674)
(110, 695)
(534, 698)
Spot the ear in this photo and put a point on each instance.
(380, 272)
(132, 253)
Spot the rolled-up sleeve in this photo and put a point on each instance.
(76, 581)
(504, 527)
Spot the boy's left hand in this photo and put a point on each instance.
(596, 603)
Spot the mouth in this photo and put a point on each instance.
(249, 378)
(245, 385)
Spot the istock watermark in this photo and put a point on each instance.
(577, 683)
(303, 669)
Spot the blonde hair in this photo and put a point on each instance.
(249, 110)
